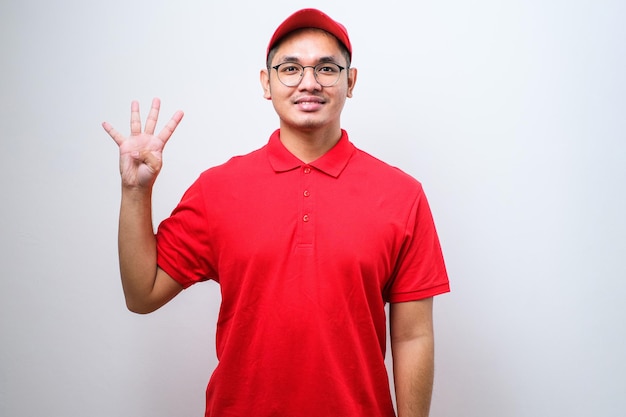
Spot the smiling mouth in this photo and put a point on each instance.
(309, 100)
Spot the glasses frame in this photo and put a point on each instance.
(314, 67)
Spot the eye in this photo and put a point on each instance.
(289, 68)
(328, 69)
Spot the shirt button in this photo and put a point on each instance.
(305, 218)
(306, 193)
(307, 170)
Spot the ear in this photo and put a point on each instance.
(352, 73)
(265, 84)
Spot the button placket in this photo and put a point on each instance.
(307, 214)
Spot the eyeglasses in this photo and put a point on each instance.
(291, 73)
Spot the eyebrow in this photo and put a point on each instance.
(331, 59)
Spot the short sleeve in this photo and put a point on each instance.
(420, 270)
(183, 246)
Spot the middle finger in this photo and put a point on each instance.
(153, 116)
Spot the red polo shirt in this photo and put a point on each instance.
(306, 256)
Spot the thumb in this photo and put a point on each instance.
(148, 158)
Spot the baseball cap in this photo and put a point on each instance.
(311, 18)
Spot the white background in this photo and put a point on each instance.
(511, 113)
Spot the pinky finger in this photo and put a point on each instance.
(117, 136)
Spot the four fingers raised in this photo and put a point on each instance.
(151, 121)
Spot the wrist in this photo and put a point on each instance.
(136, 192)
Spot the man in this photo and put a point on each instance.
(308, 237)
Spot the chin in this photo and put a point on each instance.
(308, 123)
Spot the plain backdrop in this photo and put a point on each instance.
(511, 113)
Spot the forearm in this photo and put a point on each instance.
(137, 247)
(412, 347)
(413, 368)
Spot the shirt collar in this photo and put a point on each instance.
(332, 162)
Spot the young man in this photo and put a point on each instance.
(308, 237)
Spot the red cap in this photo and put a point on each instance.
(311, 18)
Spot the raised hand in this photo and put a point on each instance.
(141, 152)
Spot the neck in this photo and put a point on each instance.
(309, 146)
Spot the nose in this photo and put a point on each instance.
(308, 81)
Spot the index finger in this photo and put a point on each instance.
(170, 127)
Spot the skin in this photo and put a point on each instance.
(412, 349)
(310, 125)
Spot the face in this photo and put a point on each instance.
(308, 106)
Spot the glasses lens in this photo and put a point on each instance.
(327, 74)
(290, 73)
